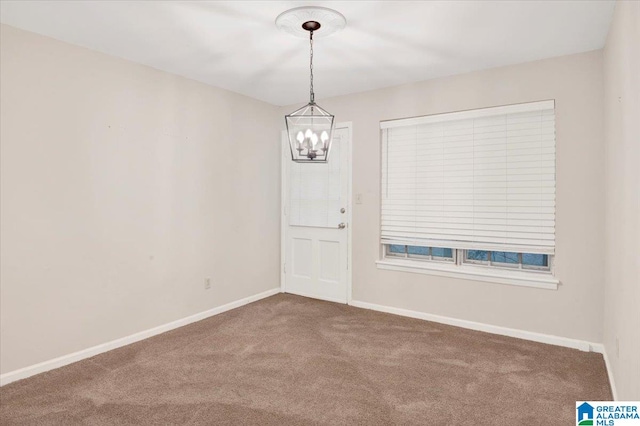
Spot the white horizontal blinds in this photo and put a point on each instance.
(314, 191)
(483, 182)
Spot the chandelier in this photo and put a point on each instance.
(310, 128)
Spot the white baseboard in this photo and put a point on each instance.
(25, 372)
(614, 391)
(51, 364)
(504, 331)
(488, 328)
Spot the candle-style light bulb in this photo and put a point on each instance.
(300, 139)
(308, 133)
(314, 140)
(324, 137)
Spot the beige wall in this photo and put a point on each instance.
(124, 187)
(622, 134)
(575, 310)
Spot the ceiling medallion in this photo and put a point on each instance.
(291, 21)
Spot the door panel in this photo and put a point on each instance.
(302, 255)
(329, 262)
(316, 251)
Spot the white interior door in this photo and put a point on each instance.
(315, 223)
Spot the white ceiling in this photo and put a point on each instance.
(236, 45)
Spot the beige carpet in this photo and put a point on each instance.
(289, 360)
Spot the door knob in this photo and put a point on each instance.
(342, 226)
(342, 210)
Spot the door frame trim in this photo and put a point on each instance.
(284, 201)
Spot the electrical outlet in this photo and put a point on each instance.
(207, 283)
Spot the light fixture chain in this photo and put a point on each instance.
(311, 95)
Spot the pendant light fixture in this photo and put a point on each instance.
(310, 128)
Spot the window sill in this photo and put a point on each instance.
(499, 276)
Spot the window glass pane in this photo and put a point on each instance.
(442, 252)
(393, 248)
(422, 251)
(535, 259)
(477, 255)
(314, 193)
(504, 257)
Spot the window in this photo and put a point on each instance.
(502, 259)
(472, 189)
(423, 253)
(314, 192)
